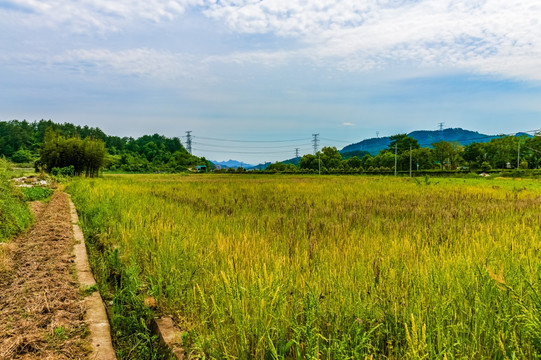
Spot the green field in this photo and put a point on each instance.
(325, 267)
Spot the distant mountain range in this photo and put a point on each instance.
(232, 164)
(425, 138)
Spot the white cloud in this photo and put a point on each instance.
(348, 124)
(135, 62)
(484, 36)
(92, 15)
(496, 36)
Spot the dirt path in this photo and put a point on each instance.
(41, 307)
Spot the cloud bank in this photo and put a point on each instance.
(481, 36)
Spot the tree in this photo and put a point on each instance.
(402, 142)
(281, 167)
(475, 154)
(86, 156)
(423, 158)
(309, 161)
(447, 154)
(352, 163)
(502, 151)
(326, 159)
(21, 156)
(330, 157)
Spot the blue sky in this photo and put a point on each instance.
(272, 70)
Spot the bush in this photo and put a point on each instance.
(485, 166)
(21, 156)
(63, 171)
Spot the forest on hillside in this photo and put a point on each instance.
(506, 152)
(22, 141)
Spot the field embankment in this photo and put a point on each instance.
(41, 311)
(325, 267)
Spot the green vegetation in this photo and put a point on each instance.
(36, 193)
(79, 156)
(500, 154)
(21, 141)
(15, 215)
(322, 267)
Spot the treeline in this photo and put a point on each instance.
(20, 142)
(509, 152)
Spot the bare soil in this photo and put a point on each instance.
(41, 307)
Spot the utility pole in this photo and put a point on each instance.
(518, 154)
(395, 157)
(296, 153)
(189, 141)
(410, 160)
(315, 142)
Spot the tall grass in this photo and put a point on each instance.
(329, 267)
(14, 213)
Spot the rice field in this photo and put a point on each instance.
(327, 267)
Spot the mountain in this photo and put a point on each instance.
(258, 167)
(424, 137)
(232, 164)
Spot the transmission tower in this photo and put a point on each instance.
(441, 130)
(189, 141)
(315, 142)
(296, 153)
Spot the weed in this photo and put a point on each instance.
(89, 290)
(59, 333)
(15, 215)
(36, 193)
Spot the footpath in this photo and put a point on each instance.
(44, 311)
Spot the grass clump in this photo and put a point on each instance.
(36, 193)
(15, 215)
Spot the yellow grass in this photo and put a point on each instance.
(329, 267)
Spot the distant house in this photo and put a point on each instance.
(201, 168)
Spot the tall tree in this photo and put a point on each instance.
(86, 156)
(402, 142)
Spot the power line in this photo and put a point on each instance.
(327, 139)
(529, 148)
(249, 147)
(251, 141)
(243, 152)
(301, 146)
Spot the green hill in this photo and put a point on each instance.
(424, 137)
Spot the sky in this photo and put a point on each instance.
(254, 79)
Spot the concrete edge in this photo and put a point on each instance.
(95, 316)
(169, 335)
